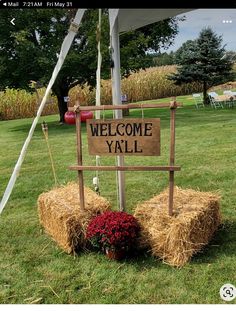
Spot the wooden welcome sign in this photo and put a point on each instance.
(124, 137)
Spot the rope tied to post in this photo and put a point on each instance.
(173, 103)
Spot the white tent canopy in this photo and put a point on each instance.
(131, 19)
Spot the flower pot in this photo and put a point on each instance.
(115, 254)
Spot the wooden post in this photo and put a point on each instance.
(173, 107)
(79, 159)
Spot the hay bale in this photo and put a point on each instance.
(175, 239)
(62, 218)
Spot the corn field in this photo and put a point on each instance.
(17, 104)
(151, 83)
(146, 84)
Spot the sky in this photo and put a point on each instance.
(222, 21)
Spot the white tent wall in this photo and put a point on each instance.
(122, 20)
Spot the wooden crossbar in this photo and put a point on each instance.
(78, 108)
(124, 168)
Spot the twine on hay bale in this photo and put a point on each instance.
(61, 216)
(196, 216)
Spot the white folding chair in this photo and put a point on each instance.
(198, 100)
(213, 100)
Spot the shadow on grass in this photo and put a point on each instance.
(143, 260)
(140, 259)
(222, 243)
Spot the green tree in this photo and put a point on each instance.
(163, 59)
(203, 60)
(186, 51)
(29, 49)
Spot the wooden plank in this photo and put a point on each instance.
(130, 137)
(122, 107)
(123, 168)
(80, 160)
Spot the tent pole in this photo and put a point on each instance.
(116, 100)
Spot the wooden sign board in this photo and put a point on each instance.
(124, 137)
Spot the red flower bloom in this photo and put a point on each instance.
(113, 230)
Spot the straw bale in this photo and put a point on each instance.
(174, 239)
(61, 216)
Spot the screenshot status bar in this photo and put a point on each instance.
(38, 4)
(114, 4)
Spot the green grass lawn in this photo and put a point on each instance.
(34, 269)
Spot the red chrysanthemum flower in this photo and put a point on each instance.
(113, 230)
